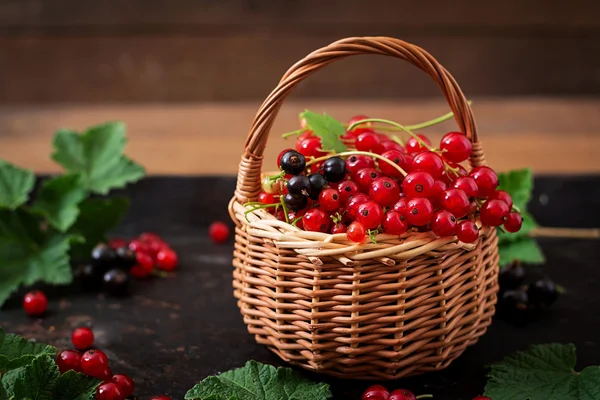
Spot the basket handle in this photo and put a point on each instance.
(249, 179)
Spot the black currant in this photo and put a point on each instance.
(298, 185)
(90, 276)
(295, 202)
(317, 183)
(125, 258)
(334, 169)
(542, 293)
(292, 162)
(512, 276)
(514, 306)
(103, 256)
(116, 282)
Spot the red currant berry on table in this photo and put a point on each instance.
(397, 158)
(486, 179)
(338, 228)
(456, 146)
(400, 206)
(419, 211)
(166, 259)
(143, 267)
(125, 384)
(346, 190)
(467, 185)
(281, 155)
(109, 391)
(504, 196)
(330, 199)
(456, 202)
(364, 177)
(367, 141)
(35, 303)
(417, 184)
(139, 246)
(467, 232)
(356, 232)
(443, 223)
(316, 220)
(493, 212)
(413, 146)
(360, 128)
(219, 232)
(402, 394)
(82, 338)
(376, 392)
(69, 360)
(513, 222)
(266, 198)
(384, 191)
(370, 214)
(94, 363)
(430, 162)
(394, 223)
(355, 163)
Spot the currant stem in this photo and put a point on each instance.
(363, 153)
(293, 133)
(424, 396)
(397, 125)
(285, 210)
(434, 121)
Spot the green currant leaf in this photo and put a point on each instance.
(97, 155)
(525, 250)
(75, 386)
(327, 128)
(543, 372)
(16, 351)
(15, 185)
(58, 198)
(37, 380)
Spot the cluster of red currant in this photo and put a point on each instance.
(385, 186)
(151, 251)
(378, 392)
(94, 363)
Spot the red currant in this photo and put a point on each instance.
(69, 360)
(413, 146)
(387, 145)
(369, 214)
(266, 198)
(467, 232)
(338, 228)
(218, 232)
(316, 220)
(35, 303)
(417, 184)
(456, 146)
(166, 259)
(330, 199)
(430, 162)
(486, 180)
(304, 135)
(419, 211)
(504, 196)
(355, 163)
(513, 222)
(367, 141)
(400, 205)
(94, 363)
(143, 267)
(356, 232)
(109, 391)
(376, 392)
(467, 185)
(443, 223)
(281, 155)
(364, 177)
(139, 246)
(394, 223)
(384, 191)
(360, 128)
(82, 338)
(310, 147)
(482, 398)
(456, 202)
(347, 189)
(280, 215)
(437, 192)
(402, 394)
(395, 156)
(125, 384)
(493, 212)
(116, 243)
(354, 202)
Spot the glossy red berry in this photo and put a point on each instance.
(402, 394)
(387, 145)
(417, 184)
(437, 192)
(143, 267)
(467, 232)
(281, 155)
(125, 384)
(266, 198)
(504, 196)
(360, 128)
(69, 360)
(456, 147)
(419, 211)
(355, 163)
(443, 223)
(482, 398)
(413, 146)
(82, 338)
(35, 303)
(486, 179)
(166, 259)
(330, 199)
(513, 222)
(316, 220)
(347, 189)
(94, 363)
(394, 223)
(400, 205)
(310, 147)
(384, 191)
(354, 202)
(430, 162)
(369, 214)
(139, 246)
(376, 392)
(456, 202)
(493, 212)
(109, 391)
(356, 232)
(467, 185)
(117, 243)
(367, 141)
(218, 232)
(364, 177)
(395, 156)
(338, 228)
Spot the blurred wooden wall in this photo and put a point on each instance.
(214, 50)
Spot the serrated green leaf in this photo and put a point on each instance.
(58, 198)
(256, 381)
(329, 129)
(529, 224)
(15, 185)
(519, 184)
(97, 216)
(9, 379)
(525, 250)
(97, 155)
(543, 372)
(75, 386)
(16, 351)
(38, 380)
(3, 394)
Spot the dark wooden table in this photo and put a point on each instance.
(175, 331)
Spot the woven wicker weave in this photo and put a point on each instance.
(404, 306)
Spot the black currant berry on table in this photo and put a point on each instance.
(542, 293)
(89, 276)
(317, 184)
(292, 162)
(103, 256)
(125, 258)
(512, 276)
(116, 282)
(334, 169)
(514, 306)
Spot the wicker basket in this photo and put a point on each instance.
(404, 306)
